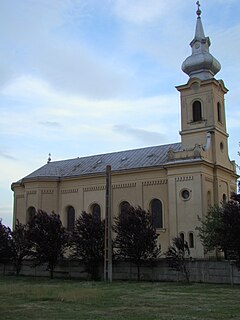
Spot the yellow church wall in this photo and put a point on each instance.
(95, 197)
(138, 188)
(221, 154)
(198, 179)
(19, 206)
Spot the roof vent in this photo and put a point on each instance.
(150, 155)
(124, 158)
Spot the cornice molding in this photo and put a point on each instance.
(74, 190)
(184, 178)
(154, 182)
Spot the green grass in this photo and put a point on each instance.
(41, 298)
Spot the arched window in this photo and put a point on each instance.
(157, 214)
(96, 211)
(224, 198)
(197, 111)
(124, 206)
(209, 199)
(191, 240)
(219, 112)
(70, 218)
(31, 211)
(181, 235)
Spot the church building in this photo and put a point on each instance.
(176, 183)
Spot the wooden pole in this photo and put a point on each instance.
(108, 228)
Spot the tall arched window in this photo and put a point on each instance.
(96, 211)
(70, 217)
(124, 206)
(224, 198)
(209, 199)
(219, 112)
(191, 240)
(197, 111)
(157, 214)
(181, 235)
(31, 211)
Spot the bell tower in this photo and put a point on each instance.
(203, 122)
(200, 174)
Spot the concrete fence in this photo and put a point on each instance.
(200, 271)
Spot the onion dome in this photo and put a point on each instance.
(201, 64)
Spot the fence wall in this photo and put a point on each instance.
(200, 271)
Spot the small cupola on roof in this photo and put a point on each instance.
(201, 64)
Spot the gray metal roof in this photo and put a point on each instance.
(96, 164)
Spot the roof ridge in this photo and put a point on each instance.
(117, 152)
(131, 159)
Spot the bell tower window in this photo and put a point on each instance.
(197, 111)
(219, 113)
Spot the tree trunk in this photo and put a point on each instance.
(18, 269)
(186, 274)
(51, 271)
(138, 272)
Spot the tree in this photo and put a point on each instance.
(238, 168)
(87, 242)
(229, 231)
(48, 239)
(235, 196)
(177, 255)
(136, 238)
(19, 245)
(221, 229)
(208, 230)
(5, 252)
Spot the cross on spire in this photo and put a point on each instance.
(49, 158)
(198, 10)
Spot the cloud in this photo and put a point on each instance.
(73, 68)
(142, 11)
(48, 50)
(50, 124)
(145, 136)
(75, 122)
(228, 37)
(7, 156)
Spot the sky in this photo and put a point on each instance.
(83, 77)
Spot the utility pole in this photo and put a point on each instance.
(108, 228)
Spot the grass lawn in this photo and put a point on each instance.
(41, 298)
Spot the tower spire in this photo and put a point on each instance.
(201, 64)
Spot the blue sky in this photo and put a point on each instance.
(81, 77)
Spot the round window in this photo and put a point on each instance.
(185, 194)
